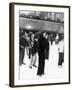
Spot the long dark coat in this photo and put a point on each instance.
(41, 52)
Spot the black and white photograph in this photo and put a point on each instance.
(41, 45)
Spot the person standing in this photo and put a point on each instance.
(34, 53)
(41, 53)
(47, 47)
(22, 44)
(61, 52)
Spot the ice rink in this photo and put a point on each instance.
(52, 70)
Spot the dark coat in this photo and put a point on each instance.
(43, 45)
(23, 42)
(35, 47)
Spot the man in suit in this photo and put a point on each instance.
(41, 52)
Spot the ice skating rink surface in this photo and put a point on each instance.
(52, 71)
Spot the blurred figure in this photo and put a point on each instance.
(41, 52)
(51, 38)
(57, 39)
(47, 47)
(61, 52)
(31, 46)
(34, 53)
(22, 45)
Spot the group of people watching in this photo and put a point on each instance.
(39, 42)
